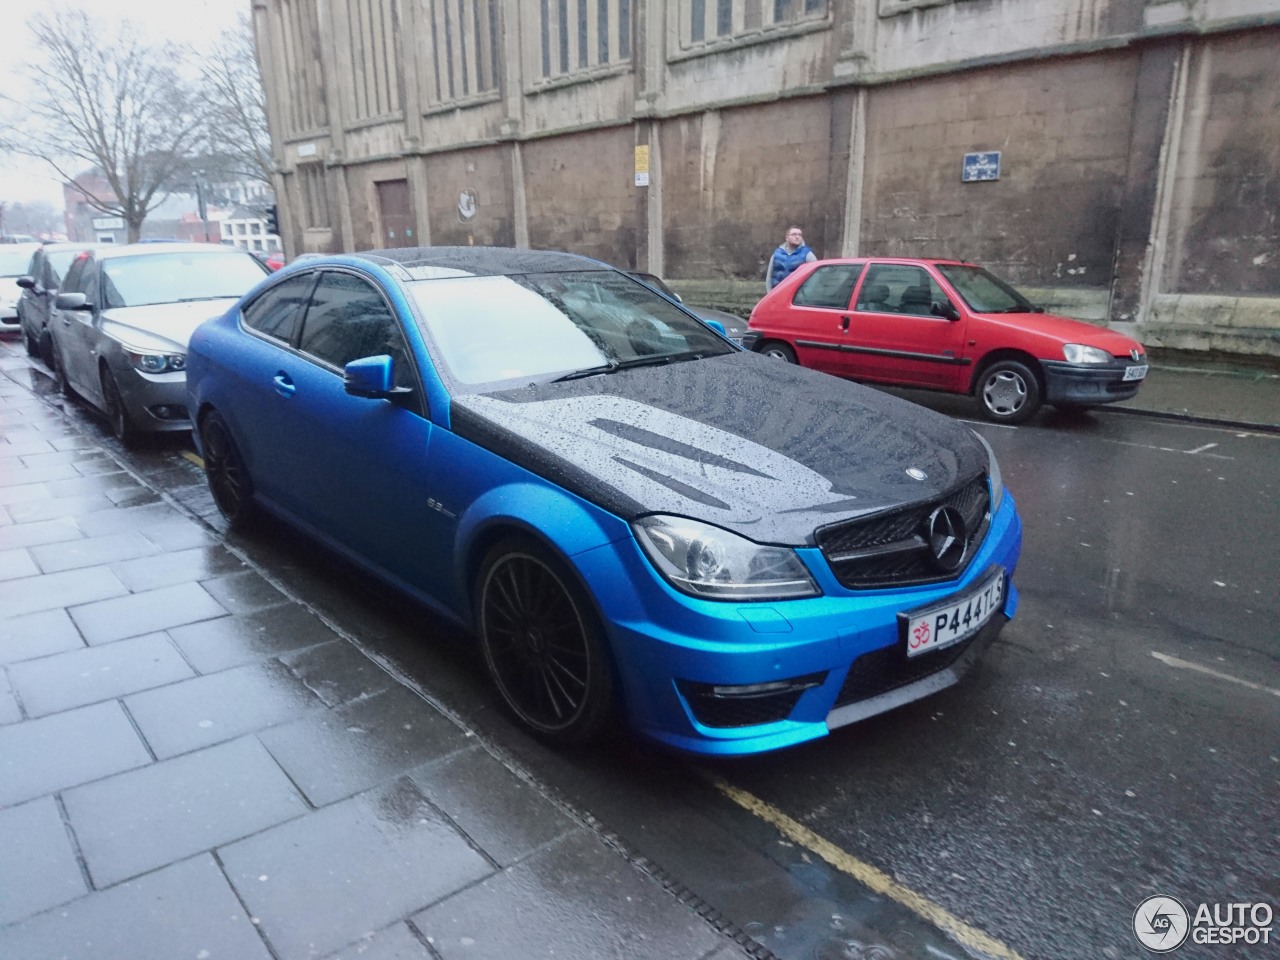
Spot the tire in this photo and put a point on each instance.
(543, 645)
(225, 470)
(31, 343)
(1008, 392)
(122, 424)
(46, 351)
(59, 371)
(777, 350)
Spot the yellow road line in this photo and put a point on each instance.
(193, 457)
(876, 880)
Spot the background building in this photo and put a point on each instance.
(1137, 141)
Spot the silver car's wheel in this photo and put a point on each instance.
(122, 424)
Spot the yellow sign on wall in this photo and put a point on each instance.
(642, 165)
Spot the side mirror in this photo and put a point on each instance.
(944, 309)
(372, 378)
(717, 326)
(27, 283)
(71, 301)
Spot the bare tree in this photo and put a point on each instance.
(236, 101)
(103, 96)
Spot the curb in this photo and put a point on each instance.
(1272, 428)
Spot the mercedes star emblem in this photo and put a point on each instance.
(948, 538)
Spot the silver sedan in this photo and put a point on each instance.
(122, 320)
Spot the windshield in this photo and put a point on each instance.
(14, 261)
(60, 260)
(984, 292)
(136, 281)
(553, 325)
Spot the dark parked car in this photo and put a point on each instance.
(40, 286)
(607, 493)
(943, 325)
(734, 326)
(14, 260)
(122, 320)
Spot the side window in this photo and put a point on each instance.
(71, 282)
(89, 282)
(348, 319)
(278, 312)
(899, 288)
(829, 287)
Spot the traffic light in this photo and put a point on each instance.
(273, 220)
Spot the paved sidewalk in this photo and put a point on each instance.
(194, 766)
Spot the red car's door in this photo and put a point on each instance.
(895, 337)
(819, 315)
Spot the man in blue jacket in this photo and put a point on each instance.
(790, 254)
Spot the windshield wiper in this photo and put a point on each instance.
(613, 366)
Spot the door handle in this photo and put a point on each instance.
(284, 386)
(844, 324)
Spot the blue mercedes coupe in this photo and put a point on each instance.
(636, 519)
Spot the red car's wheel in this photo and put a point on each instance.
(1009, 392)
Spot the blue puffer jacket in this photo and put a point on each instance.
(784, 262)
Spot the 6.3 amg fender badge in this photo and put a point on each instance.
(948, 538)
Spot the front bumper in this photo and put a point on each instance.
(1082, 384)
(8, 318)
(157, 403)
(820, 662)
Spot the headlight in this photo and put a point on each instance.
(1079, 353)
(993, 473)
(707, 561)
(158, 362)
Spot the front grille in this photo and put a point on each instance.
(888, 668)
(891, 549)
(712, 710)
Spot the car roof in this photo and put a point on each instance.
(430, 262)
(911, 260)
(108, 250)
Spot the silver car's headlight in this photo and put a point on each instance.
(157, 362)
(707, 561)
(1080, 353)
(993, 473)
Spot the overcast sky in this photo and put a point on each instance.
(194, 22)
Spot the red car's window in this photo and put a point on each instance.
(899, 288)
(829, 287)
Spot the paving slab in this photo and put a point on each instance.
(92, 551)
(244, 592)
(196, 713)
(574, 898)
(337, 672)
(71, 507)
(17, 563)
(340, 752)
(501, 813)
(178, 566)
(53, 591)
(232, 641)
(37, 635)
(396, 942)
(146, 612)
(184, 911)
(93, 674)
(10, 710)
(66, 749)
(147, 818)
(39, 868)
(328, 879)
(38, 532)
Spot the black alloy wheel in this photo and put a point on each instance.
(542, 644)
(778, 351)
(224, 468)
(122, 424)
(1008, 392)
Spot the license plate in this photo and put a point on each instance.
(955, 620)
(1135, 373)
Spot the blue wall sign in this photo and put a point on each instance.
(980, 166)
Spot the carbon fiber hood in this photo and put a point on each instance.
(766, 449)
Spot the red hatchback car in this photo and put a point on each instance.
(942, 325)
